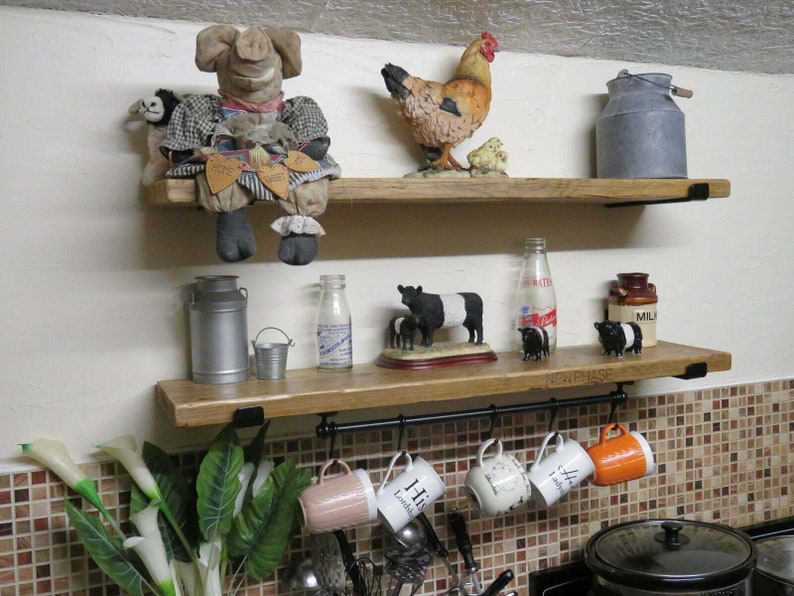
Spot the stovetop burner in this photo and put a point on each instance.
(573, 579)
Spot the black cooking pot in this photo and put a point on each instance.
(653, 557)
(774, 575)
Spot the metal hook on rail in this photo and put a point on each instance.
(401, 436)
(493, 416)
(555, 409)
(618, 397)
(332, 435)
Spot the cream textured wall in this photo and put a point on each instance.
(93, 279)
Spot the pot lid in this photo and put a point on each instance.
(671, 553)
(776, 557)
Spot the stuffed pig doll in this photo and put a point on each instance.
(249, 143)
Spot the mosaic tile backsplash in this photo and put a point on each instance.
(723, 455)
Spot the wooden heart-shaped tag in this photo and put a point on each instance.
(222, 172)
(276, 178)
(300, 162)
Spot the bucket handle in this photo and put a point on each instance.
(290, 342)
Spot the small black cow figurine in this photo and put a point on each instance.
(433, 311)
(535, 341)
(616, 337)
(402, 330)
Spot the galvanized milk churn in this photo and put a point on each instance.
(640, 133)
(219, 330)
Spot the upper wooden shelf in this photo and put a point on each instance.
(595, 191)
(367, 386)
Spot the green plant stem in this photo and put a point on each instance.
(182, 538)
(237, 571)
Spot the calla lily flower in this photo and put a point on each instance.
(124, 450)
(262, 472)
(244, 476)
(209, 564)
(152, 552)
(145, 521)
(53, 454)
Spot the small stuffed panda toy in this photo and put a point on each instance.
(156, 110)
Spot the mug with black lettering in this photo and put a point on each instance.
(553, 475)
(405, 497)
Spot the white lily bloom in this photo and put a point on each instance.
(262, 472)
(145, 521)
(188, 576)
(152, 552)
(53, 454)
(124, 450)
(209, 564)
(244, 476)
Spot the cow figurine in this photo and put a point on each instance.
(433, 311)
(616, 337)
(535, 341)
(402, 330)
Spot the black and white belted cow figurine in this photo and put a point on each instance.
(433, 311)
(617, 337)
(401, 331)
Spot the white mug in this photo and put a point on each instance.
(498, 484)
(405, 497)
(555, 475)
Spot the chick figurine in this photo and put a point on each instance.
(488, 157)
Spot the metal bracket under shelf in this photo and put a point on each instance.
(248, 416)
(695, 370)
(699, 191)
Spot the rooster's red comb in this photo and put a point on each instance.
(489, 37)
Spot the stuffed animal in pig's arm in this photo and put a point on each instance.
(156, 110)
(249, 143)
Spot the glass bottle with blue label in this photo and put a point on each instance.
(334, 329)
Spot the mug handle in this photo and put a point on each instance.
(609, 427)
(394, 459)
(543, 445)
(328, 464)
(483, 448)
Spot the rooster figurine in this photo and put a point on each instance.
(441, 115)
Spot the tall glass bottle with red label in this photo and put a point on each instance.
(536, 299)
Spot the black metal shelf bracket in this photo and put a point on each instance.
(329, 429)
(248, 416)
(696, 370)
(698, 191)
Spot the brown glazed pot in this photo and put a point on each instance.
(676, 557)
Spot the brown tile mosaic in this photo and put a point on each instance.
(723, 455)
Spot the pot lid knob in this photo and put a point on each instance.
(671, 537)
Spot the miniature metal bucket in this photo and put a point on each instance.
(271, 358)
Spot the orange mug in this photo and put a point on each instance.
(618, 459)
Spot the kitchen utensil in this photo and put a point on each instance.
(774, 575)
(440, 550)
(497, 484)
(406, 568)
(342, 501)
(303, 577)
(499, 583)
(617, 459)
(329, 565)
(463, 541)
(367, 576)
(552, 476)
(402, 499)
(412, 536)
(653, 557)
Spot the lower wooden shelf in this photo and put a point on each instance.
(367, 386)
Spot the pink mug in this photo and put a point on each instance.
(339, 502)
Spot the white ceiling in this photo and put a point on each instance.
(739, 35)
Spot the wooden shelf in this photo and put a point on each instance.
(567, 191)
(367, 386)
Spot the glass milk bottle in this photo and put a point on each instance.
(536, 301)
(334, 330)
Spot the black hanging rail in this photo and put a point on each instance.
(330, 429)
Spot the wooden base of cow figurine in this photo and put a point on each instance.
(439, 355)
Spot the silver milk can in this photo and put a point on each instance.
(640, 133)
(219, 330)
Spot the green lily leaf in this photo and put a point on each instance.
(256, 448)
(217, 484)
(263, 528)
(106, 550)
(178, 496)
